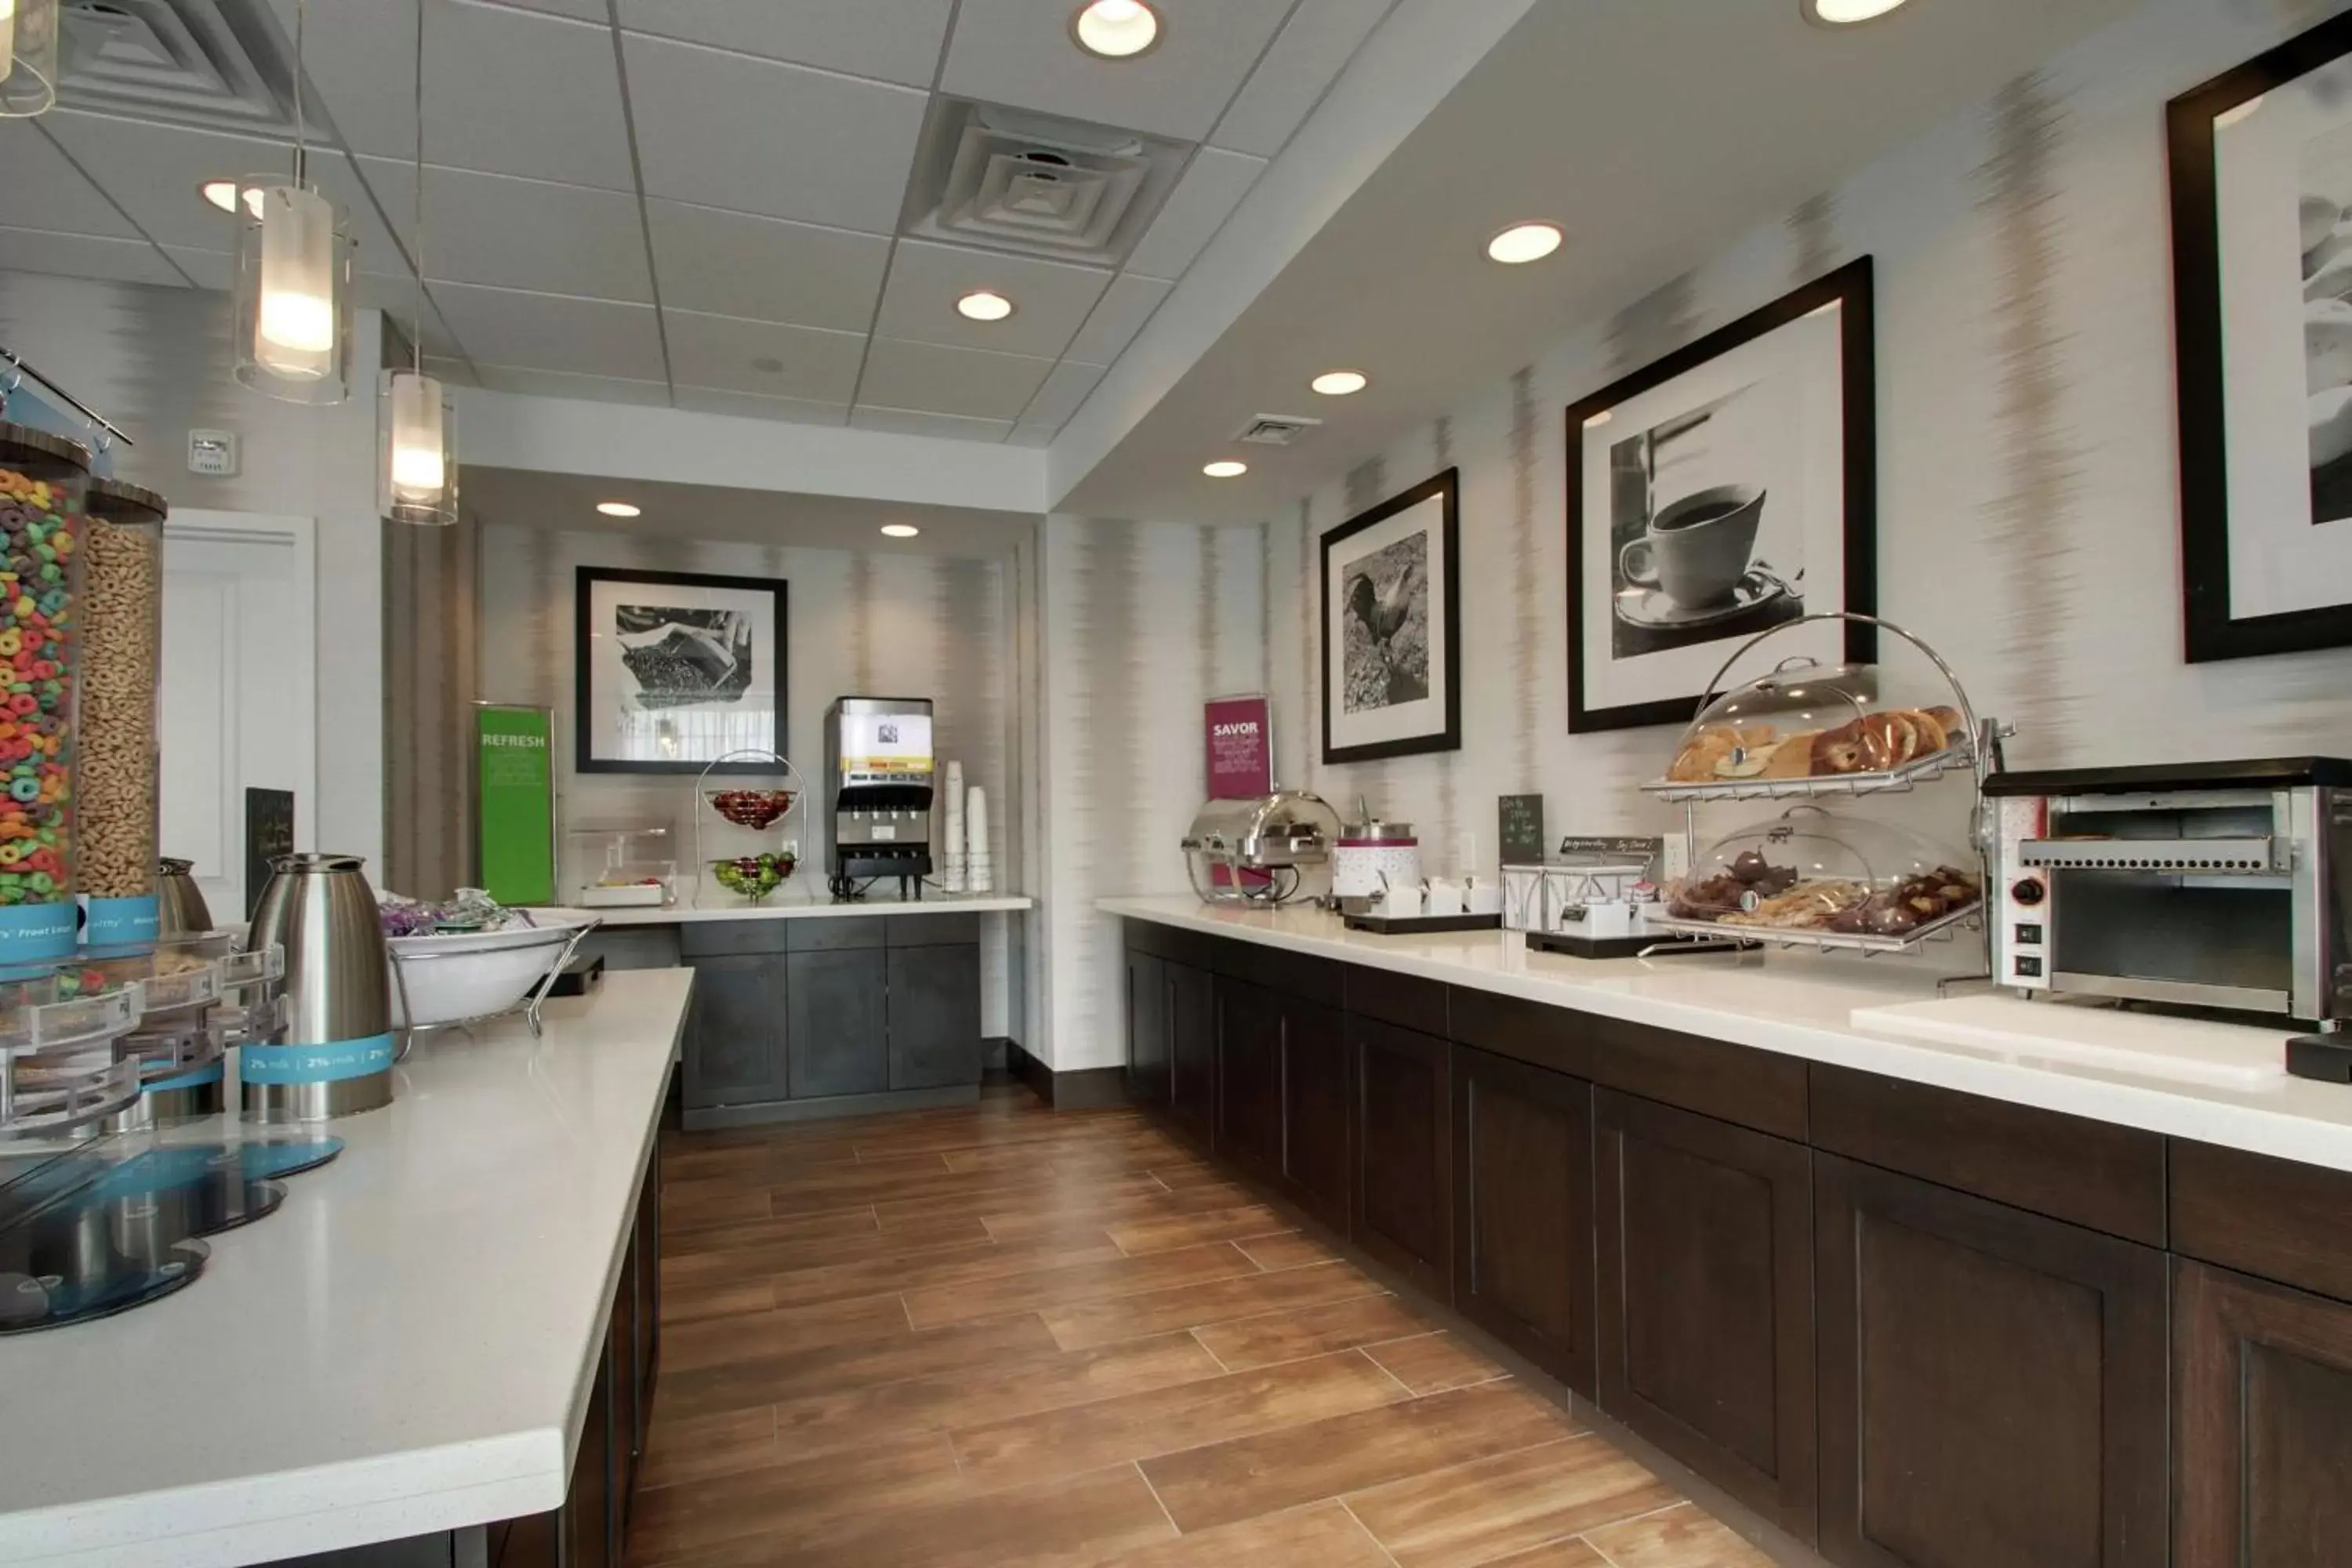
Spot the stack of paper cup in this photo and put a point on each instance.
(979, 869)
(951, 856)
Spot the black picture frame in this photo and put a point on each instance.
(1850, 287)
(2210, 632)
(776, 589)
(1446, 489)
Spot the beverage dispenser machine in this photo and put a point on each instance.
(879, 781)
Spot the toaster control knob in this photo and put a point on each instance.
(2027, 891)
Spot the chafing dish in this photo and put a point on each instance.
(1257, 851)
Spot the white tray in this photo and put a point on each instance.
(2234, 1055)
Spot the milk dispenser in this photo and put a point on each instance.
(878, 771)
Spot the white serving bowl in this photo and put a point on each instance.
(478, 973)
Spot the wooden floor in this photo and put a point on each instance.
(1008, 1335)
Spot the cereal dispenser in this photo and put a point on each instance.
(115, 721)
(43, 481)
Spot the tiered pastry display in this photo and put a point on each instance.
(1808, 871)
(1796, 731)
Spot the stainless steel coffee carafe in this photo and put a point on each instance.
(339, 1052)
(180, 904)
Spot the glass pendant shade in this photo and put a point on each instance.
(293, 292)
(28, 56)
(419, 453)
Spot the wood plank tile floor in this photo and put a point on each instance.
(1003, 1334)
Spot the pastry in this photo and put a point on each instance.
(1955, 727)
(1792, 758)
(1888, 740)
(1749, 762)
(1934, 736)
(1696, 764)
(1839, 750)
(1807, 906)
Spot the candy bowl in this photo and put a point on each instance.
(752, 808)
(754, 876)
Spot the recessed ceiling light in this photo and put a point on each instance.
(617, 508)
(900, 530)
(1341, 383)
(1846, 13)
(221, 194)
(1115, 30)
(1225, 469)
(984, 305)
(1525, 242)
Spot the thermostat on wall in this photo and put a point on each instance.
(212, 453)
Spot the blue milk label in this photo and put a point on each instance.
(328, 1062)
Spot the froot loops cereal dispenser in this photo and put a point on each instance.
(43, 482)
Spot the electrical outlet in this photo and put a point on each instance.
(213, 453)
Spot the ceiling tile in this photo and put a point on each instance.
(896, 40)
(908, 422)
(1020, 52)
(212, 269)
(583, 388)
(507, 91)
(396, 296)
(930, 379)
(766, 269)
(1050, 299)
(552, 332)
(1201, 201)
(156, 173)
(1062, 391)
(578, 10)
(519, 234)
(87, 256)
(727, 353)
(1320, 40)
(1031, 433)
(1126, 305)
(745, 404)
(726, 131)
(454, 372)
(47, 192)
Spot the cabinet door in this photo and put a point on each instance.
(934, 1016)
(1192, 1049)
(1706, 1298)
(838, 1036)
(2262, 1433)
(1403, 1152)
(736, 1056)
(1992, 1382)
(1249, 1076)
(588, 1530)
(1523, 1210)
(1147, 1028)
(1317, 1112)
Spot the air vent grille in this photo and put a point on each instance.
(1275, 429)
(212, 64)
(1015, 181)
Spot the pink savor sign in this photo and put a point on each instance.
(1240, 736)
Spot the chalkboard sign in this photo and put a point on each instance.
(268, 836)
(1519, 829)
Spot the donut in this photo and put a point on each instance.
(1839, 750)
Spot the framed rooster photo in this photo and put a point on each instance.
(1391, 627)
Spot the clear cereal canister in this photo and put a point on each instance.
(43, 481)
(115, 726)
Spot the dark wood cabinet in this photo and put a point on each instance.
(1403, 1152)
(1147, 1041)
(737, 1056)
(2262, 1425)
(1523, 1248)
(1192, 1049)
(1249, 1078)
(1992, 1382)
(1317, 1112)
(934, 1015)
(836, 1022)
(1706, 1316)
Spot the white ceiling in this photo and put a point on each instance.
(699, 207)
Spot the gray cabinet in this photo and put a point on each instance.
(934, 1015)
(837, 1024)
(736, 1054)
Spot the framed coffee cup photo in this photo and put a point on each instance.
(1728, 488)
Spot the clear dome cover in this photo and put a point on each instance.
(1810, 871)
(1805, 720)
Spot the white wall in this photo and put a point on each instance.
(2028, 508)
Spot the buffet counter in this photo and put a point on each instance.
(797, 904)
(410, 1344)
(1803, 1005)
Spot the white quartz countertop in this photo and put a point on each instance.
(799, 903)
(403, 1347)
(1802, 1004)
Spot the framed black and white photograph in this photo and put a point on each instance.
(1391, 637)
(676, 670)
(1724, 490)
(2262, 217)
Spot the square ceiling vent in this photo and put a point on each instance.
(1015, 181)
(216, 64)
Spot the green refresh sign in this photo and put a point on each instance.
(514, 773)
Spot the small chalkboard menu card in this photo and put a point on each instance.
(1519, 829)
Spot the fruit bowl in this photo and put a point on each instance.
(753, 876)
(752, 808)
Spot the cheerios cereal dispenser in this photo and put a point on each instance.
(115, 727)
(42, 481)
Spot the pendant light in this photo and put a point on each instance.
(419, 460)
(293, 278)
(29, 57)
